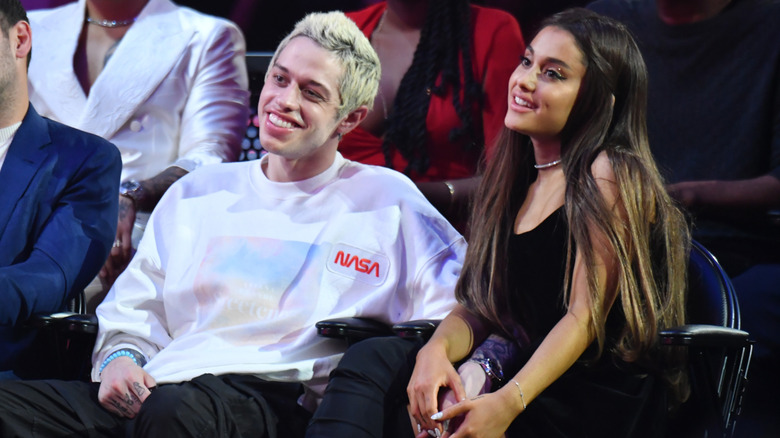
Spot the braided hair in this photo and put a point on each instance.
(444, 40)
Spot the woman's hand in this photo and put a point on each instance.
(124, 386)
(432, 372)
(485, 416)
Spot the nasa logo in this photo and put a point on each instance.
(358, 264)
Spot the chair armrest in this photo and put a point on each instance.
(41, 320)
(65, 321)
(78, 323)
(703, 335)
(419, 328)
(352, 329)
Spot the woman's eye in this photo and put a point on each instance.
(554, 74)
(524, 61)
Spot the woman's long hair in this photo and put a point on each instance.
(651, 244)
(445, 41)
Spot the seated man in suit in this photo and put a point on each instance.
(211, 329)
(57, 199)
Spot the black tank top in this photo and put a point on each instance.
(537, 267)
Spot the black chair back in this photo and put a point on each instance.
(719, 352)
(256, 64)
(711, 296)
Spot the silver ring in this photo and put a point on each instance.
(117, 243)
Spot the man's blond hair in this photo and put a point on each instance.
(340, 36)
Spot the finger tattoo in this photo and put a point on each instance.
(122, 410)
(139, 389)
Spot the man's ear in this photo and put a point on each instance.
(352, 120)
(21, 39)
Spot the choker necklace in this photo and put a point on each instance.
(548, 165)
(111, 23)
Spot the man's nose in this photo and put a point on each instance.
(289, 97)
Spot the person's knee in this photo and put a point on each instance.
(11, 410)
(169, 407)
(376, 362)
(382, 353)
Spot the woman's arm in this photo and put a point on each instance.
(490, 415)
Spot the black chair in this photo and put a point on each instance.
(63, 345)
(719, 352)
(256, 64)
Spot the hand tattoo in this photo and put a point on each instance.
(122, 410)
(139, 389)
(124, 207)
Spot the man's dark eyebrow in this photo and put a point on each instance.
(551, 60)
(316, 84)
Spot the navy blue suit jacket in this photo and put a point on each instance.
(58, 217)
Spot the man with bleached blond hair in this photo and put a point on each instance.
(211, 329)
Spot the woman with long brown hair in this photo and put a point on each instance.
(577, 255)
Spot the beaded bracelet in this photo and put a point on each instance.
(137, 358)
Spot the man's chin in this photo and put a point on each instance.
(273, 145)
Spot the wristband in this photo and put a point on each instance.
(137, 358)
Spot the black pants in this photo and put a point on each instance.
(366, 398)
(208, 406)
(366, 394)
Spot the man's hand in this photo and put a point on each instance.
(475, 382)
(124, 386)
(122, 251)
(432, 372)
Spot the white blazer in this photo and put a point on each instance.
(175, 91)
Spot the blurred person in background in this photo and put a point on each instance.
(442, 96)
(166, 84)
(713, 121)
